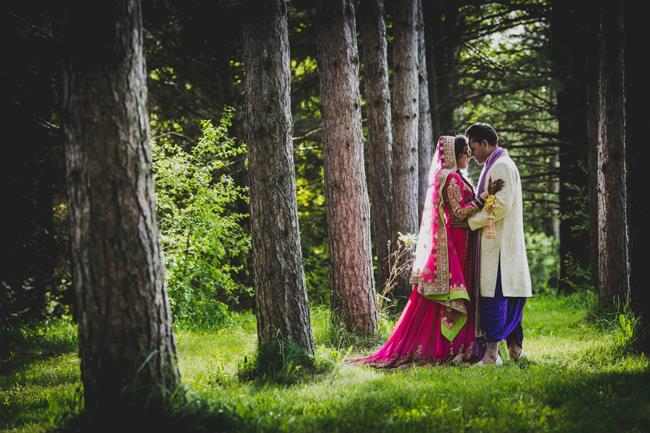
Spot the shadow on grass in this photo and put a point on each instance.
(525, 397)
(22, 344)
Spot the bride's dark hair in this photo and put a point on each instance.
(460, 144)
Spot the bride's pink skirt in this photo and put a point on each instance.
(417, 339)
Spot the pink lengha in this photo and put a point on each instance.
(417, 338)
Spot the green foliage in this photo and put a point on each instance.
(21, 342)
(310, 196)
(203, 241)
(40, 383)
(578, 277)
(630, 330)
(504, 77)
(579, 378)
(333, 332)
(282, 362)
(542, 252)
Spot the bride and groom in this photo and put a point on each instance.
(470, 274)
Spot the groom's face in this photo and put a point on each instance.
(480, 150)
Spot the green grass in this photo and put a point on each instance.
(579, 378)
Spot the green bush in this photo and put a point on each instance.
(204, 244)
(543, 261)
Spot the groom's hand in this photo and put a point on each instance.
(495, 186)
(460, 224)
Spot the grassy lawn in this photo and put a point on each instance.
(578, 378)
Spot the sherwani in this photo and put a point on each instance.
(504, 280)
(509, 244)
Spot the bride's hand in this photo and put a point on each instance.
(495, 186)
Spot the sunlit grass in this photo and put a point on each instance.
(577, 379)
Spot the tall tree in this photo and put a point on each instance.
(444, 27)
(425, 128)
(636, 91)
(430, 19)
(405, 109)
(606, 128)
(348, 213)
(379, 146)
(567, 45)
(125, 334)
(281, 303)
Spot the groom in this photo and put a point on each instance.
(500, 262)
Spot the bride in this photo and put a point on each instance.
(437, 324)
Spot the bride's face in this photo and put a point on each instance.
(463, 160)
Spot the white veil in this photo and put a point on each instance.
(443, 162)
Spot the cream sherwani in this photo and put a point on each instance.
(509, 222)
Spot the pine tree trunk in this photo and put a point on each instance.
(379, 146)
(431, 19)
(635, 92)
(125, 334)
(282, 309)
(444, 27)
(606, 125)
(405, 109)
(567, 42)
(348, 209)
(425, 132)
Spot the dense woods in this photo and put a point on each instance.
(174, 163)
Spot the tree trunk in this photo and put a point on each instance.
(125, 334)
(405, 109)
(281, 303)
(425, 132)
(379, 146)
(348, 210)
(635, 92)
(431, 19)
(444, 27)
(567, 42)
(606, 124)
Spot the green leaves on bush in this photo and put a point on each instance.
(204, 244)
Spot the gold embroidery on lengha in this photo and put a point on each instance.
(455, 200)
(440, 284)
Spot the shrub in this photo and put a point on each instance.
(204, 244)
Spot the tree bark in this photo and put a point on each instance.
(635, 92)
(445, 27)
(405, 109)
(348, 213)
(281, 303)
(431, 19)
(425, 131)
(567, 45)
(607, 130)
(379, 146)
(125, 334)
